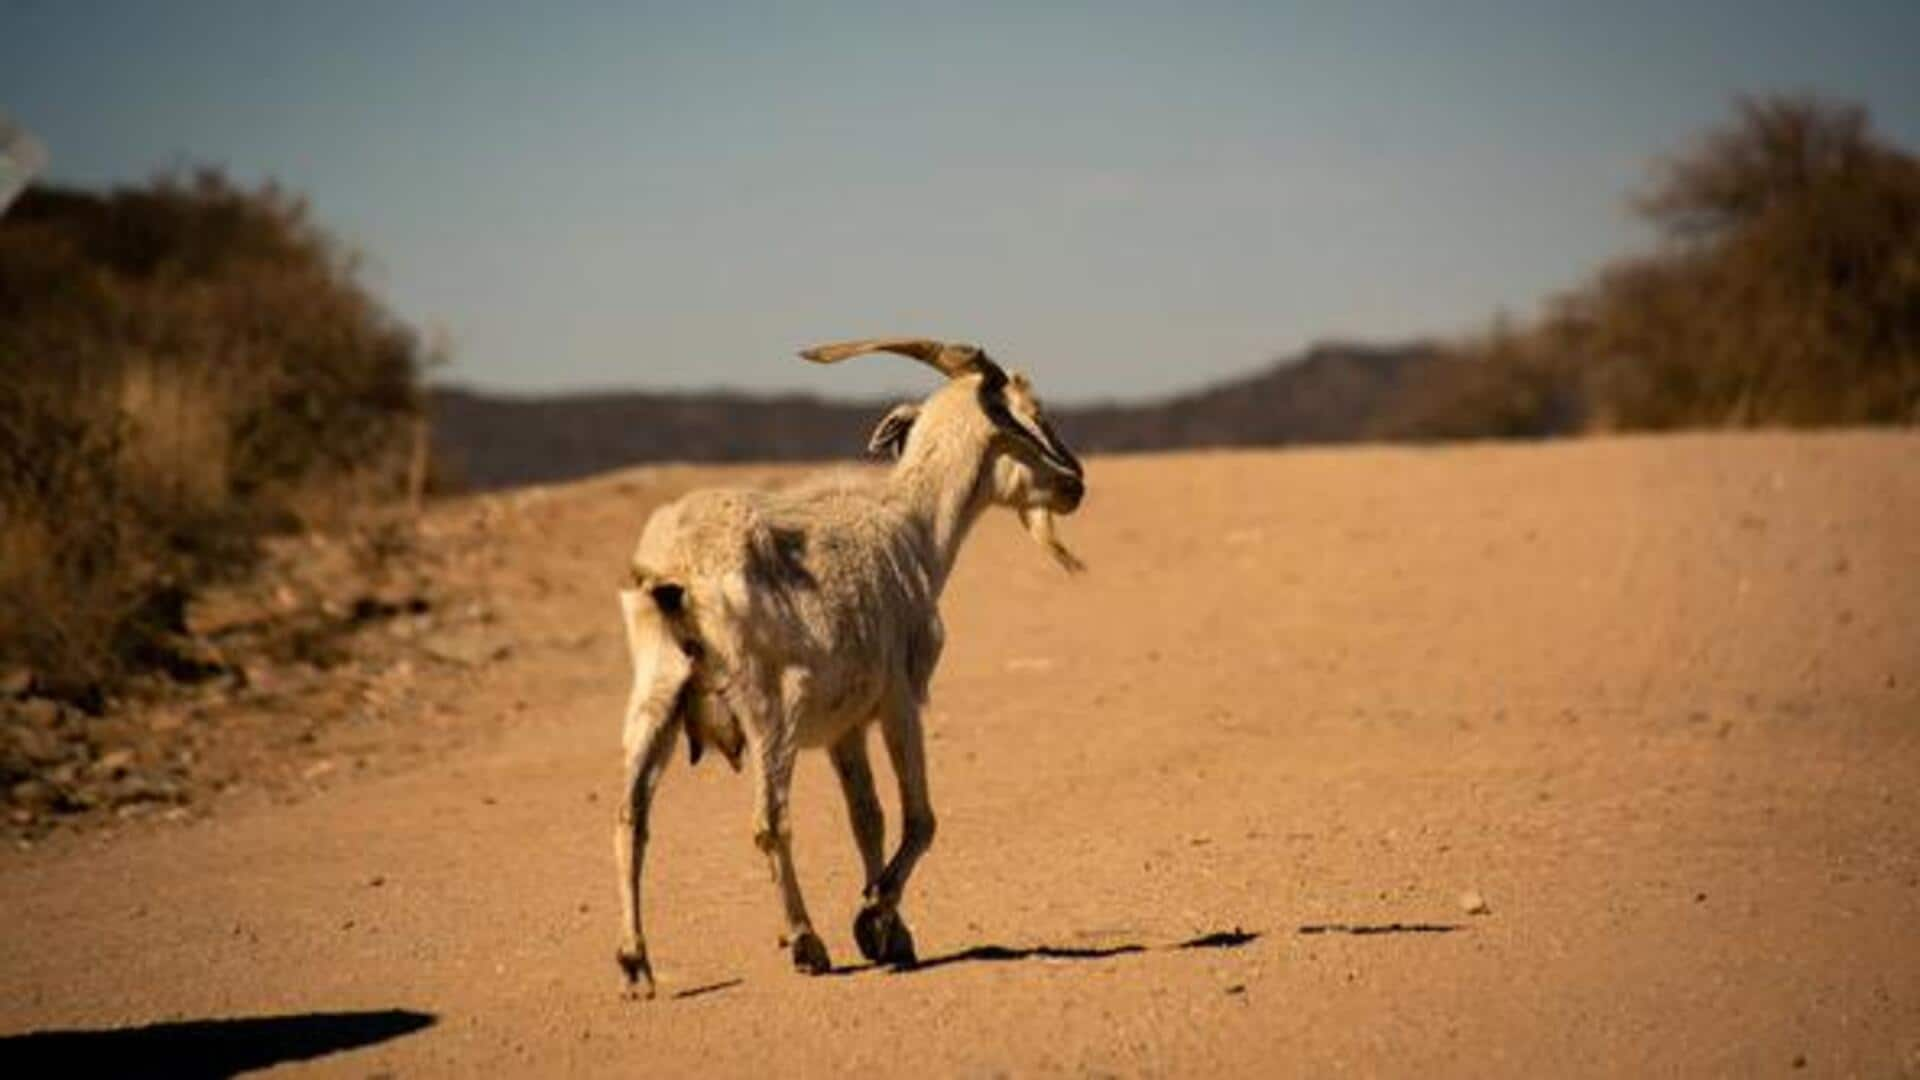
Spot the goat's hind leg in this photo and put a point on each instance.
(773, 835)
(660, 674)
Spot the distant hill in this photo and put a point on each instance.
(1331, 393)
(492, 441)
(1334, 392)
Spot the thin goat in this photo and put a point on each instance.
(764, 622)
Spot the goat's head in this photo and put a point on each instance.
(1028, 468)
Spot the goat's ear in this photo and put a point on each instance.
(889, 437)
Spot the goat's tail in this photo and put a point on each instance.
(670, 597)
(670, 626)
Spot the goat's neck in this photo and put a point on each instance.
(943, 490)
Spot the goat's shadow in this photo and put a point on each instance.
(707, 988)
(1000, 954)
(1370, 929)
(202, 1048)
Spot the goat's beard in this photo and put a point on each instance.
(1039, 523)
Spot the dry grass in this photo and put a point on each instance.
(190, 366)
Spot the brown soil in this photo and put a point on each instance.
(1591, 758)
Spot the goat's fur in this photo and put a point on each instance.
(764, 622)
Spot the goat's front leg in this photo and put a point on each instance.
(881, 932)
(869, 822)
(773, 835)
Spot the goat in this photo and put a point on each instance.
(764, 622)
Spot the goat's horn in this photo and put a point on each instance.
(950, 360)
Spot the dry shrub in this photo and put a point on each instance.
(188, 365)
(1786, 291)
(1501, 385)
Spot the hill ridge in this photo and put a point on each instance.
(1332, 392)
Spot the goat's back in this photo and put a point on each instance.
(826, 587)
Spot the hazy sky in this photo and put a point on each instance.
(1123, 198)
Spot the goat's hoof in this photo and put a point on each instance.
(810, 954)
(883, 936)
(639, 973)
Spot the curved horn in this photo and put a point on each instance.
(952, 361)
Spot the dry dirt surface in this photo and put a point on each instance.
(1595, 758)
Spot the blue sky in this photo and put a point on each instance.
(1126, 199)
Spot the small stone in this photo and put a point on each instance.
(1473, 903)
(319, 769)
(376, 881)
(466, 650)
(113, 762)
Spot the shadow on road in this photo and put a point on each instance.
(709, 988)
(999, 953)
(1362, 929)
(1220, 939)
(202, 1048)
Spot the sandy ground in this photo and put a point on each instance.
(1209, 809)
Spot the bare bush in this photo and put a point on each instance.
(1786, 291)
(188, 364)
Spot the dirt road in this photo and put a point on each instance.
(1211, 808)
